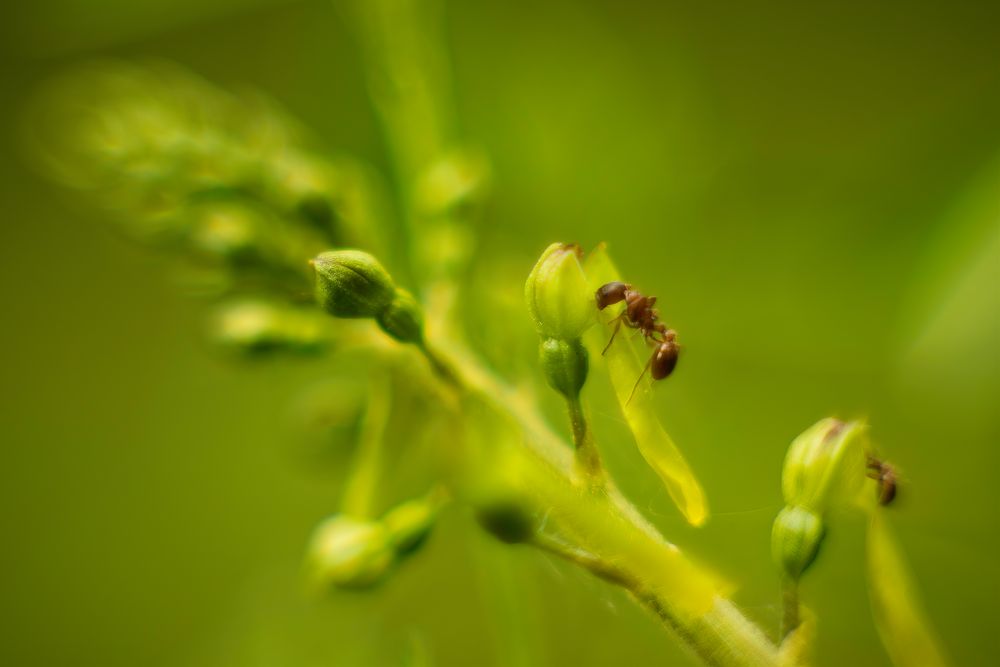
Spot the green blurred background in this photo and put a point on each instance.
(813, 191)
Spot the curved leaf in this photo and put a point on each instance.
(624, 366)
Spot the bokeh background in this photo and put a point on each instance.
(812, 190)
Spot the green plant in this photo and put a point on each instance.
(271, 229)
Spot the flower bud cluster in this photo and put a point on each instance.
(353, 284)
(351, 553)
(185, 165)
(562, 308)
(824, 467)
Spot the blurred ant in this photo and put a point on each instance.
(884, 473)
(640, 314)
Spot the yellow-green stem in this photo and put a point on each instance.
(359, 493)
(588, 458)
(789, 605)
(609, 537)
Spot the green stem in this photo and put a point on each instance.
(588, 458)
(608, 536)
(408, 78)
(790, 606)
(359, 493)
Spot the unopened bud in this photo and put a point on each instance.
(558, 298)
(349, 553)
(403, 319)
(565, 365)
(508, 518)
(795, 539)
(825, 465)
(352, 283)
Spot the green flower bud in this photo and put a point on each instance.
(565, 365)
(825, 465)
(352, 283)
(349, 553)
(795, 540)
(556, 292)
(409, 524)
(258, 327)
(403, 319)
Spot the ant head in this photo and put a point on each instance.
(610, 293)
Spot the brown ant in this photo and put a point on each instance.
(884, 473)
(640, 314)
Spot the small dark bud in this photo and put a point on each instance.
(565, 364)
(508, 519)
(795, 540)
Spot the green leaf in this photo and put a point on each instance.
(624, 366)
(902, 625)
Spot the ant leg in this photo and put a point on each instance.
(636, 386)
(618, 325)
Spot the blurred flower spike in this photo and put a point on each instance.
(559, 301)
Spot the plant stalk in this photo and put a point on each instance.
(359, 494)
(790, 606)
(588, 458)
(608, 537)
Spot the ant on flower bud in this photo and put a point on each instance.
(639, 314)
(884, 473)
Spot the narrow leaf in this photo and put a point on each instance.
(624, 366)
(902, 625)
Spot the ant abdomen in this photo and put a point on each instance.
(884, 473)
(664, 359)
